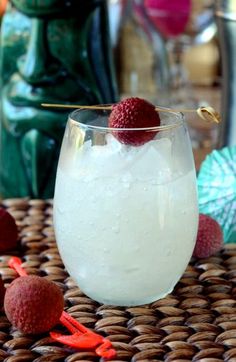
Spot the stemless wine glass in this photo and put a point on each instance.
(125, 216)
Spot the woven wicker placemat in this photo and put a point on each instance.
(197, 322)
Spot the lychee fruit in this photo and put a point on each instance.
(33, 304)
(2, 292)
(209, 237)
(134, 113)
(8, 231)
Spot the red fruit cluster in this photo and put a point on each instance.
(209, 237)
(8, 231)
(134, 113)
(33, 304)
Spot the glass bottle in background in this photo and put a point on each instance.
(116, 10)
(141, 57)
(226, 24)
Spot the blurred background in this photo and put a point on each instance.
(168, 52)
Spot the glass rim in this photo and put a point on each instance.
(180, 121)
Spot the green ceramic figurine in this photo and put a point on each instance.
(52, 51)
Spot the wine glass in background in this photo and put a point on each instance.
(169, 17)
(140, 53)
(182, 23)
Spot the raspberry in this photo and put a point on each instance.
(33, 304)
(209, 237)
(134, 113)
(8, 231)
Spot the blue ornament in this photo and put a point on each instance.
(217, 189)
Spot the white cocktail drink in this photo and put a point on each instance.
(125, 217)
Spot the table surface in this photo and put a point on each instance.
(197, 322)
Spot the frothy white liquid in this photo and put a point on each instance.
(125, 222)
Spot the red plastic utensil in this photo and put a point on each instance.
(16, 264)
(80, 337)
(83, 338)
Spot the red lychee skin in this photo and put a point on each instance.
(33, 304)
(209, 237)
(8, 231)
(2, 292)
(134, 113)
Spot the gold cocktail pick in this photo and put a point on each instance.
(208, 113)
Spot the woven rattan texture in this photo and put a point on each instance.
(197, 322)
